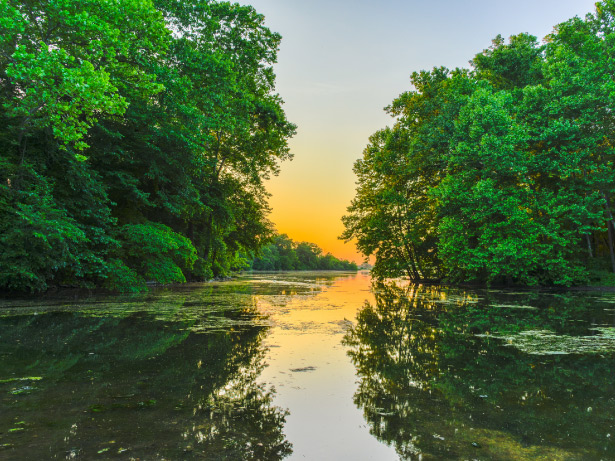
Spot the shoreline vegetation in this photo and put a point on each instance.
(74, 292)
(499, 174)
(136, 137)
(283, 254)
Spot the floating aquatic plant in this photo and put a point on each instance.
(546, 342)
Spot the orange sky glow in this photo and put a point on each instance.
(342, 61)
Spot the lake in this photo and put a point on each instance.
(312, 366)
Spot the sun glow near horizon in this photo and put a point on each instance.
(341, 62)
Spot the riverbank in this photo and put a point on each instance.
(66, 292)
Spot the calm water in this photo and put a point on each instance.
(309, 366)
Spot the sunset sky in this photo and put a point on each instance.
(342, 61)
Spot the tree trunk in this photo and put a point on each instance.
(419, 265)
(610, 229)
(610, 240)
(410, 267)
(589, 246)
(413, 262)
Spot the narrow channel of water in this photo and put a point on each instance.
(314, 377)
(309, 366)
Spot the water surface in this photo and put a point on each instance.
(309, 366)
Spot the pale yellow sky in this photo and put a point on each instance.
(342, 61)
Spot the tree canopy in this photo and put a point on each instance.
(286, 255)
(500, 173)
(135, 139)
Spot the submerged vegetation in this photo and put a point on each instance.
(135, 139)
(501, 173)
(283, 254)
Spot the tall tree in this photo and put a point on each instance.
(145, 130)
(393, 215)
(61, 68)
(501, 173)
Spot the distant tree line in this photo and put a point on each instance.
(500, 173)
(135, 137)
(283, 254)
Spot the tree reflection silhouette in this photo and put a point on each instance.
(137, 386)
(437, 382)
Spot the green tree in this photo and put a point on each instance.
(308, 255)
(513, 65)
(393, 215)
(501, 173)
(285, 254)
(62, 65)
(156, 116)
(231, 126)
(579, 119)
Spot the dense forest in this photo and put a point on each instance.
(502, 172)
(135, 137)
(285, 254)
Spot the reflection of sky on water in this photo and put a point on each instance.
(307, 331)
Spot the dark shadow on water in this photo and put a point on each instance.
(173, 380)
(450, 374)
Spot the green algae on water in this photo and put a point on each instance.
(546, 342)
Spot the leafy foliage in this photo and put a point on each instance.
(155, 252)
(135, 139)
(498, 174)
(285, 254)
(38, 239)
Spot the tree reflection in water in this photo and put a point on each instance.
(438, 380)
(78, 385)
